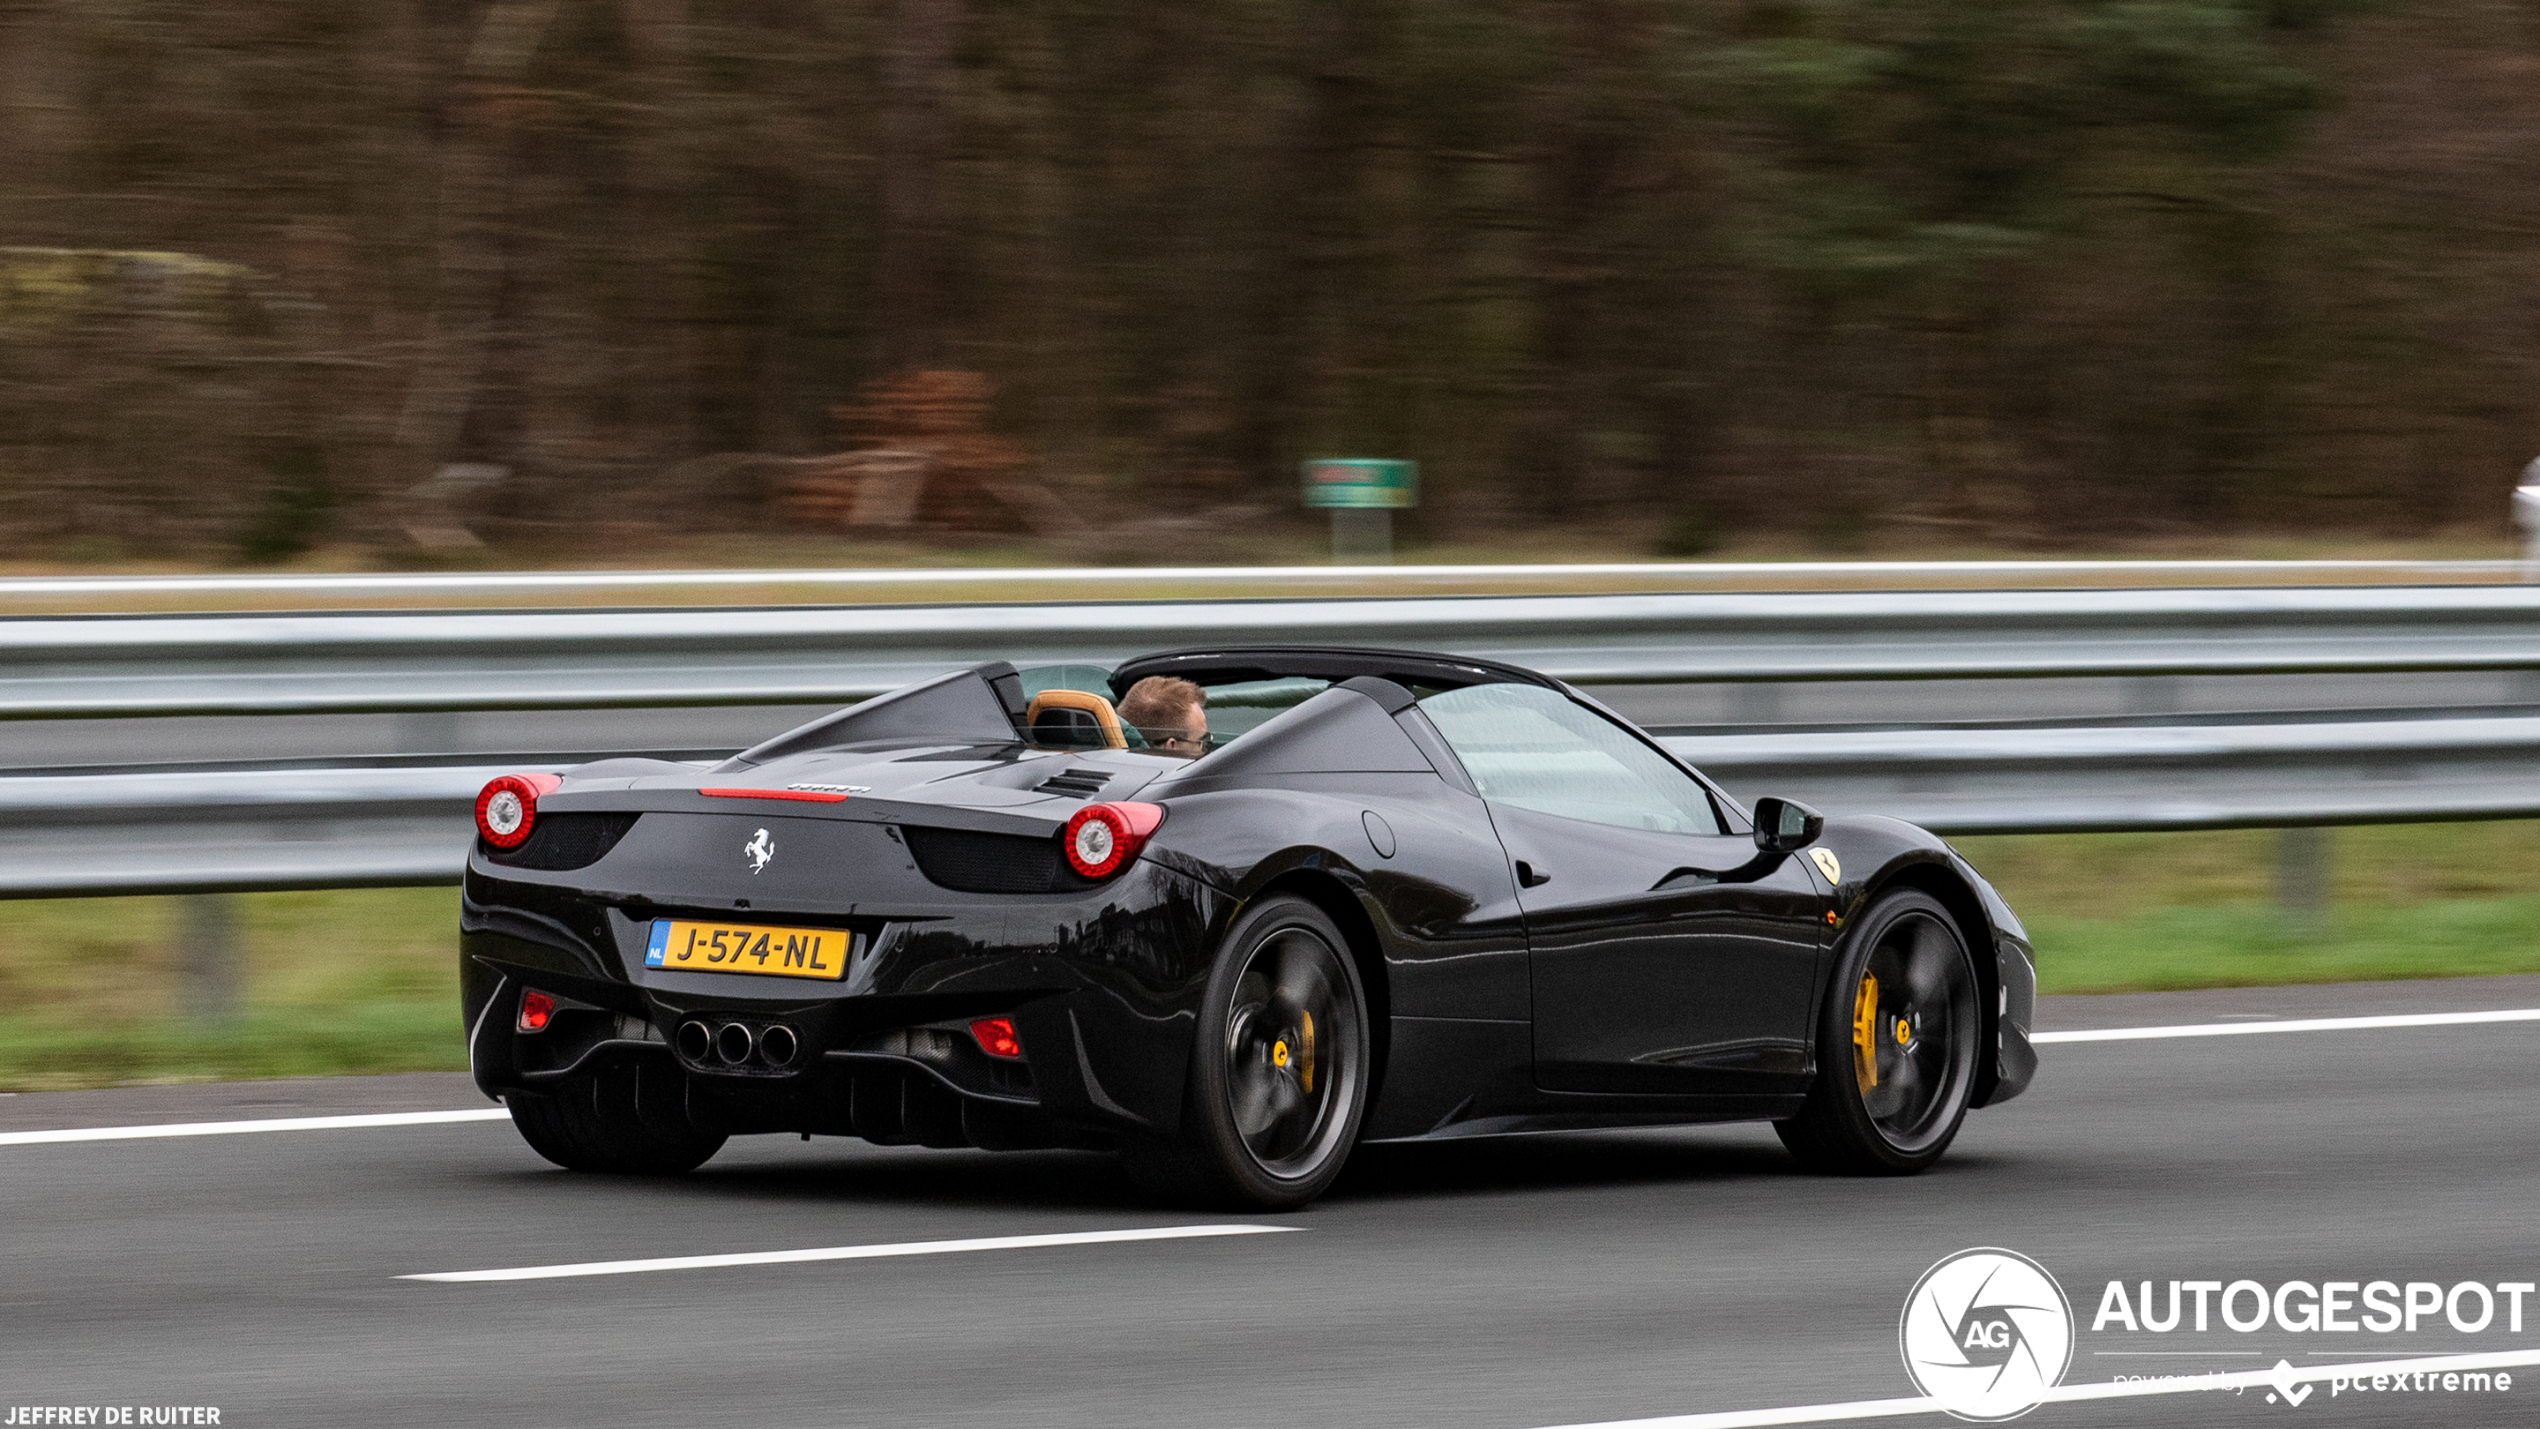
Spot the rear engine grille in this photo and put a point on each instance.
(969, 862)
(561, 842)
(1074, 783)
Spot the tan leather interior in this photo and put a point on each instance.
(1105, 718)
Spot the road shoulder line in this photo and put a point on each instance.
(2281, 1377)
(843, 1252)
(2306, 1024)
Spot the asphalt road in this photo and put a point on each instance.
(1500, 1285)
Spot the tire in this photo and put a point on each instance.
(1897, 1045)
(594, 1124)
(1279, 1069)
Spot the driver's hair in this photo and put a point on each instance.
(1164, 705)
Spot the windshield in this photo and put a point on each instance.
(1534, 748)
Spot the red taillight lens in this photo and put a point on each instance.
(995, 1036)
(1102, 838)
(536, 1010)
(507, 807)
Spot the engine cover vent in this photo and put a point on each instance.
(1075, 783)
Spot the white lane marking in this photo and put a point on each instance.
(2280, 1375)
(847, 1252)
(2314, 1024)
(232, 1128)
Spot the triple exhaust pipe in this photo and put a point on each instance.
(734, 1044)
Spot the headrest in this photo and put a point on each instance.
(1073, 719)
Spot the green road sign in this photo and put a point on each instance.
(1357, 481)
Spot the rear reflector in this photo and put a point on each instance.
(536, 1010)
(995, 1036)
(800, 796)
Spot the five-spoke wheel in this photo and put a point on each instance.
(1897, 1047)
(1278, 1079)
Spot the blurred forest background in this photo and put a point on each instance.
(417, 273)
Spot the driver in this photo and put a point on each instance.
(1171, 713)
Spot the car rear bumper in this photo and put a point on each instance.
(1101, 988)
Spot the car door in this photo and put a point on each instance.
(1667, 955)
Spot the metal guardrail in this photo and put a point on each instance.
(91, 666)
(238, 829)
(393, 822)
(389, 583)
(2146, 777)
(374, 825)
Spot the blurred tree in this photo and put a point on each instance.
(917, 120)
(2026, 269)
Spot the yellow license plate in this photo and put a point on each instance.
(748, 948)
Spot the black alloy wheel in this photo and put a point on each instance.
(1278, 1079)
(1897, 1044)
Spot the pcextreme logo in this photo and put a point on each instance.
(1986, 1333)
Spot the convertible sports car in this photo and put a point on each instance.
(1398, 896)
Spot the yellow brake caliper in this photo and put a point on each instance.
(1865, 1025)
(1305, 1051)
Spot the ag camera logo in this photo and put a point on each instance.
(1986, 1333)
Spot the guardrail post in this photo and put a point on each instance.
(1362, 536)
(2527, 515)
(2301, 879)
(207, 955)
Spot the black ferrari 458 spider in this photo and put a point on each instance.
(1394, 896)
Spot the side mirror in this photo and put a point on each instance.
(1786, 825)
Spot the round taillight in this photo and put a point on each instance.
(1101, 838)
(507, 807)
